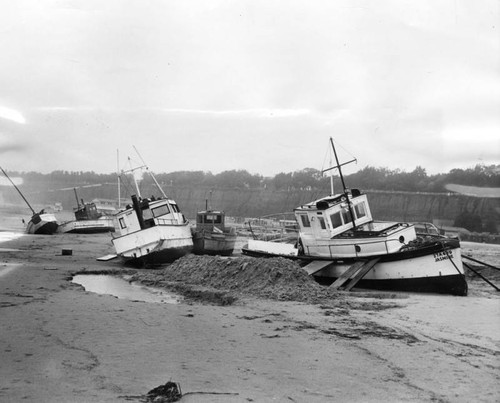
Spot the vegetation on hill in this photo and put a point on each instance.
(309, 178)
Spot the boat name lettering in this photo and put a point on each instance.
(443, 255)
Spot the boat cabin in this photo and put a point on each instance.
(86, 211)
(148, 213)
(209, 220)
(332, 216)
(333, 227)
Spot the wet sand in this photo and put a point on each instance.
(60, 343)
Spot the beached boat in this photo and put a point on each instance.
(211, 236)
(40, 223)
(342, 245)
(151, 230)
(87, 220)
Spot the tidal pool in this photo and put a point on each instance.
(121, 288)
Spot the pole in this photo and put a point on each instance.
(480, 275)
(13, 184)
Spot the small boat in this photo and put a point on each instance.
(151, 230)
(211, 236)
(341, 245)
(40, 223)
(87, 220)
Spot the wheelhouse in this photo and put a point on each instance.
(332, 216)
(148, 213)
(209, 219)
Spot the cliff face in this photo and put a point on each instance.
(398, 206)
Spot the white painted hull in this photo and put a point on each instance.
(87, 226)
(434, 268)
(158, 244)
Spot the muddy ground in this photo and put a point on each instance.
(248, 330)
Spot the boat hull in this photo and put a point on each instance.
(213, 244)
(436, 267)
(155, 245)
(42, 224)
(87, 226)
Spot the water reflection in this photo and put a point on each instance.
(120, 288)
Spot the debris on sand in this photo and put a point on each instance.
(274, 278)
(170, 392)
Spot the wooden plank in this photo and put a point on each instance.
(361, 273)
(351, 271)
(316, 265)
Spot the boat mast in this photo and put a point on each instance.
(77, 202)
(151, 174)
(13, 184)
(118, 176)
(346, 193)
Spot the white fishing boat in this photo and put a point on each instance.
(87, 220)
(211, 236)
(342, 245)
(40, 223)
(151, 230)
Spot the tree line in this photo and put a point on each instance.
(376, 178)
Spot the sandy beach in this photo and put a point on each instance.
(60, 343)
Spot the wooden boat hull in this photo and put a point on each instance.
(155, 245)
(436, 267)
(87, 226)
(42, 224)
(211, 243)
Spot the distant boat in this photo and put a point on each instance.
(341, 245)
(87, 220)
(211, 236)
(151, 230)
(40, 223)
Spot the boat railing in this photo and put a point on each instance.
(272, 229)
(374, 247)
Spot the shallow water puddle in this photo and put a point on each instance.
(120, 288)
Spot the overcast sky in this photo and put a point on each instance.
(255, 85)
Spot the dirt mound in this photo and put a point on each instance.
(274, 278)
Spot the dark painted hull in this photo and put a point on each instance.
(159, 257)
(48, 228)
(454, 284)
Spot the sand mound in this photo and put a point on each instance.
(274, 278)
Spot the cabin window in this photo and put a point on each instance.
(175, 209)
(360, 210)
(160, 211)
(213, 219)
(336, 219)
(147, 214)
(122, 223)
(305, 221)
(346, 215)
(322, 222)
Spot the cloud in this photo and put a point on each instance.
(12, 114)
